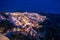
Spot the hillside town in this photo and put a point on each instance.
(24, 23)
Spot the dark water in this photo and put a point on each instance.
(48, 6)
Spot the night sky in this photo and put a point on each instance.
(46, 6)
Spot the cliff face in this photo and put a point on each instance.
(52, 26)
(2, 37)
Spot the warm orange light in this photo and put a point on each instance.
(25, 18)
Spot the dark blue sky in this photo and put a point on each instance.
(49, 6)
